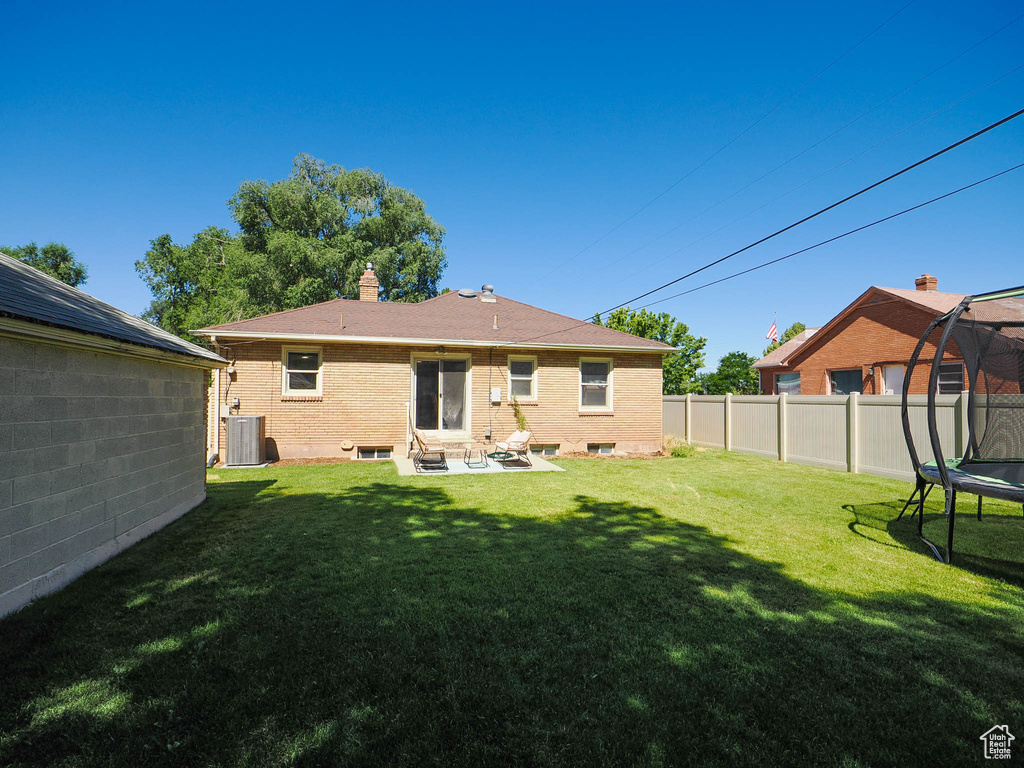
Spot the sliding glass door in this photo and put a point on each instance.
(441, 394)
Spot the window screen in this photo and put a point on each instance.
(302, 371)
(594, 382)
(521, 375)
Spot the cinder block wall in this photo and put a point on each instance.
(96, 452)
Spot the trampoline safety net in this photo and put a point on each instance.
(990, 335)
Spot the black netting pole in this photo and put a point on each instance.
(933, 387)
(905, 408)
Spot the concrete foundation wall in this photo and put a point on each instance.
(96, 451)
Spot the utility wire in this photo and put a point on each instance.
(833, 239)
(827, 208)
(857, 119)
(794, 253)
(728, 144)
(823, 173)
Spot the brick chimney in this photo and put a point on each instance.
(927, 282)
(368, 285)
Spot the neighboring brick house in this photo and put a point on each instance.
(102, 425)
(351, 378)
(866, 347)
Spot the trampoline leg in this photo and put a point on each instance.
(918, 489)
(951, 511)
(979, 506)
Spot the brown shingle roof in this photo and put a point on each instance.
(780, 354)
(448, 319)
(940, 303)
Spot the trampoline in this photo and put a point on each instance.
(988, 331)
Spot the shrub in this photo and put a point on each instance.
(679, 449)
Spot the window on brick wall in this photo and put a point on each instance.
(522, 378)
(787, 383)
(301, 374)
(847, 382)
(951, 378)
(596, 385)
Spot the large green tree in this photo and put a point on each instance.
(735, 374)
(789, 333)
(680, 368)
(55, 259)
(301, 240)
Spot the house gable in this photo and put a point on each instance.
(881, 326)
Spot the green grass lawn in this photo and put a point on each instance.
(716, 610)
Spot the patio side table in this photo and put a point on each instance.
(475, 455)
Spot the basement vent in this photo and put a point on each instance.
(245, 441)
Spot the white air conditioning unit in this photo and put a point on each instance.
(245, 440)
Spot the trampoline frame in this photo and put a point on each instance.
(925, 481)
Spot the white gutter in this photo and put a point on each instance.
(322, 337)
(79, 339)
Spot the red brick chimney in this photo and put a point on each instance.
(369, 285)
(927, 282)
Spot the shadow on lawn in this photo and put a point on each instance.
(992, 547)
(384, 625)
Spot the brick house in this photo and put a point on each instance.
(102, 431)
(352, 378)
(866, 347)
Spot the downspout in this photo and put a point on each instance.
(216, 409)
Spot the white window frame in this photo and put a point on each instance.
(609, 386)
(440, 357)
(285, 391)
(533, 385)
(376, 450)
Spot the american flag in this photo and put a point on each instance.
(773, 333)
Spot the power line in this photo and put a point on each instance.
(833, 239)
(857, 119)
(815, 178)
(827, 208)
(728, 144)
(794, 253)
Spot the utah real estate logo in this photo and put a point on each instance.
(997, 742)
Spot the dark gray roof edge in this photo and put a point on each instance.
(31, 295)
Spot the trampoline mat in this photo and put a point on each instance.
(999, 479)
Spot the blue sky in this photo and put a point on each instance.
(530, 131)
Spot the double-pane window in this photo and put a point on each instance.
(521, 375)
(595, 384)
(301, 372)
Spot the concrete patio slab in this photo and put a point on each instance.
(456, 466)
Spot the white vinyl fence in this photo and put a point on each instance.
(853, 433)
